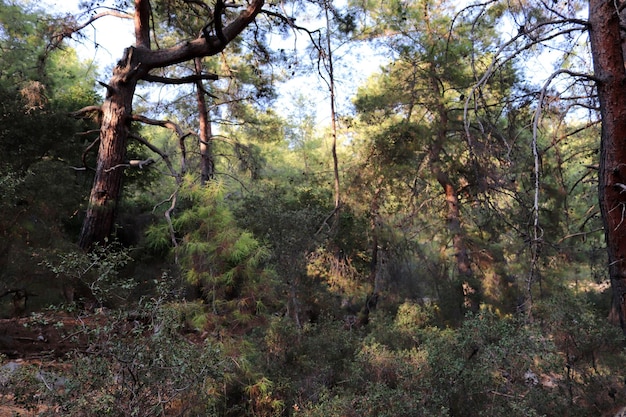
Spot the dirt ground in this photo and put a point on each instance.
(45, 336)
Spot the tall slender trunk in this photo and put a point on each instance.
(610, 74)
(207, 163)
(333, 113)
(375, 223)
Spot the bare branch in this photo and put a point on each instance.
(86, 111)
(134, 163)
(183, 80)
(88, 132)
(159, 152)
(67, 31)
(173, 127)
(583, 234)
(83, 157)
(110, 89)
(168, 217)
(291, 23)
(496, 62)
(163, 123)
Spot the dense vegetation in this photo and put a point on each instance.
(437, 250)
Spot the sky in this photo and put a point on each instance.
(104, 40)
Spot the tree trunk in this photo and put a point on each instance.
(114, 129)
(468, 286)
(117, 108)
(207, 164)
(610, 74)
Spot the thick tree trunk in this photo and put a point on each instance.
(117, 108)
(610, 74)
(114, 130)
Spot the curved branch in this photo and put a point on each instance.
(133, 163)
(289, 21)
(83, 157)
(86, 111)
(201, 46)
(67, 31)
(494, 63)
(154, 122)
(159, 152)
(173, 127)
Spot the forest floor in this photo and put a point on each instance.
(48, 335)
(41, 341)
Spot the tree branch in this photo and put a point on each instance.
(133, 163)
(201, 46)
(67, 31)
(183, 80)
(85, 111)
(173, 127)
(159, 152)
(83, 157)
(154, 122)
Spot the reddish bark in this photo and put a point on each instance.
(117, 109)
(207, 164)
(610, 74)
(453, 210)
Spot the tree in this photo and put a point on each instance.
(116, 114)
(419, 150)
(606, 36)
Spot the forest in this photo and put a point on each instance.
(314, 208)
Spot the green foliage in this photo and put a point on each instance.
(480, 369)
(161, 372)
(39, 87)
(226, 263)
(588, 345)
(305, 362)
(97, 271)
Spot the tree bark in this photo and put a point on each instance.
(114, 128)
(207, 164)
(117, 109)
(610, 74)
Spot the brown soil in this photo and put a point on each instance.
(45, 335)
